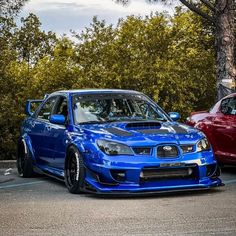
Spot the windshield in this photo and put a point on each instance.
(101, 108)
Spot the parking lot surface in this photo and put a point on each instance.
(43, 206)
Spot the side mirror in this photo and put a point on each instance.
(174, 116)
(57, 119)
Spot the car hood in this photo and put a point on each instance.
(142, 133)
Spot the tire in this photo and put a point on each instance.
(24, 162)
(74, 171)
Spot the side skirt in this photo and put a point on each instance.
(49, 173)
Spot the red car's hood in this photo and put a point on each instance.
(198, 112)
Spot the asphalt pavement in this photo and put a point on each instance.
(43, 206)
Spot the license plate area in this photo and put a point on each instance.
(172, 164)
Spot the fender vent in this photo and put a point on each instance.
(179, 129)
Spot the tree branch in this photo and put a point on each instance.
(193, 8)
(209, 5)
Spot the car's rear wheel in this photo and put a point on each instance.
(74, 171)
(24, 162)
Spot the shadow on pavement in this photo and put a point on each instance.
(229, 170)
(158, 194)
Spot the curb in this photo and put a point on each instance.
(7, 164)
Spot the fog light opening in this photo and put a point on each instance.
(118, 175)
(213, 171)
(190, 171)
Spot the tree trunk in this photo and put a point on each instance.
(225, 42)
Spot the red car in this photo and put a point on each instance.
(219, 125)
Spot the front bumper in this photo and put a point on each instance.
(94, 187)
(100, 176)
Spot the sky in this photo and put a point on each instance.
(61, 16)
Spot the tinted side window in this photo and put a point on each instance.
(228, 106)
(46, 109)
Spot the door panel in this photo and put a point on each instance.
(224, 128)
(49, 140)
(57, 144)
(225, 133)
(40, 132)
(57, 134)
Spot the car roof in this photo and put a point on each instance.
(95, 91)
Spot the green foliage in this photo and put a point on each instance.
(10, 7)
(171, 59)
(31, 43)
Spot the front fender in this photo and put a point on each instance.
(76, 140)
(79, 146)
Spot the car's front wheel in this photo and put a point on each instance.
(24, 162)
(74, 171)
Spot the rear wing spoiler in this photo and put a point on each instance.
(28, 105)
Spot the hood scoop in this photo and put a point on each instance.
(143, 125)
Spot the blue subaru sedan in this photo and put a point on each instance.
(113, 141)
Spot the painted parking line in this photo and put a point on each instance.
(22, 184)
(231, 181)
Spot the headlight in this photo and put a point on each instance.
(112, 148)
(203, 145)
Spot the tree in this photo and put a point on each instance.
(221, 15)
(174, 64)
(15, 74)
(58, 71)
(31, 42)
(10, 7)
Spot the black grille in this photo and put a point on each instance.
(187, 148)
(142, 151)
(167, 151)
(154, 174)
